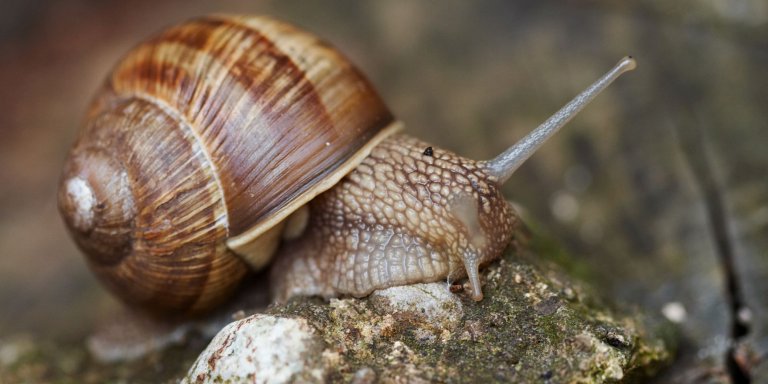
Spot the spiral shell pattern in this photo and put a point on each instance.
(217, 128)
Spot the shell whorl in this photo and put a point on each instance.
(276, 108)
(202, 133)
(140, 199)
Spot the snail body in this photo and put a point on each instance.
(211, 142)
(400, 217)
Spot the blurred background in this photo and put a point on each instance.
(658, 187)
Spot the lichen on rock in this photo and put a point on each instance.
(536, 323)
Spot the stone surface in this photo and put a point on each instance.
(14, 349)
(429, 303)
(535, 323)
(130, 336)
(127, 334)
(261, 349)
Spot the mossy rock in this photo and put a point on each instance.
(536, 324)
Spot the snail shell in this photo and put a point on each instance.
(206, 142)
(201, 142)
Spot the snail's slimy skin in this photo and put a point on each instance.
(400, 217)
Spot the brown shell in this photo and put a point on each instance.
(220, 127)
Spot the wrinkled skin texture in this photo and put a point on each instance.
(401, 217)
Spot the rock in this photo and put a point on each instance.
(13, 349)
(536, 323)
(364, 375)
(128, 335)
(429, 303)
(261, 348)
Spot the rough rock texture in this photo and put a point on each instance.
(128, 335)
(261, 348)
(534, 324)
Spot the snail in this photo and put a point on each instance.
(216, 141)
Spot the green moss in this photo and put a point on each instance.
(547, 248)
(536, 323)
